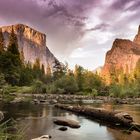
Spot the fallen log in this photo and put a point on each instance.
(114, 118)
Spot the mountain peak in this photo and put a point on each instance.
(32, 42)
(122, 57)
(27, 32)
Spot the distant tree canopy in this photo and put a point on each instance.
(137, 71)
(127, 84)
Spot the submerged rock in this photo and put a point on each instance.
(67, 122)
(44, 137)
(18, 100)
(35, 101)
(63, 128)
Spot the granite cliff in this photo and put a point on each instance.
(32, 43)
(123, 56)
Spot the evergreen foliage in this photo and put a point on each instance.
(1, 42)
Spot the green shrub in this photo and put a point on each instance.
(60, 91)
(25, 89)
(94, 92)
(51, 89)
(115, 90)
(38, 87)
(67, 83)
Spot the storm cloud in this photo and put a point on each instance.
(76, 26)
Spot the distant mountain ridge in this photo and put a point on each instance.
(32, 43)
(123, 56)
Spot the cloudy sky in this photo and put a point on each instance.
(78, 31)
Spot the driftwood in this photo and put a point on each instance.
(116, 119)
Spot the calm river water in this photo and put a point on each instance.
(37, 120)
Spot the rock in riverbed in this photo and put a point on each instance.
(63, 128)
(67, 122)
(44, 137)
(18, 100)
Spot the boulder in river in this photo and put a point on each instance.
(44, 137)
(63, 128)
(67, 122)
(35, 101)
(18, 100)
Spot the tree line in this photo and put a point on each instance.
(125, 84)
(18, 75)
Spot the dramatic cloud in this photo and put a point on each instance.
(78, 31)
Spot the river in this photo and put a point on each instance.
(37, 120)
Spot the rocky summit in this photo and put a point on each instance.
(123, 56)
(32, 43)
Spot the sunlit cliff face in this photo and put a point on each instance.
(32, 43)
(78, 31)
(122, 58)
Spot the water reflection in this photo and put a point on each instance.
(38, 120)
(120, 135)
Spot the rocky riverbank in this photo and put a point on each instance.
(69, 99)
(80, 99)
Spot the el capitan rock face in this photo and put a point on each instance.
(123, 56)
(32, 42)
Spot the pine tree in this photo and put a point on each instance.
(58, 70)
(137, 71)
(12, 61)
(2, 80)
(22, 56)
(48, 71)
(13, 43)
(78, 73)
(36, 65)
(36, 69)
(42, 69)
(26, 75)
(1, 41)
